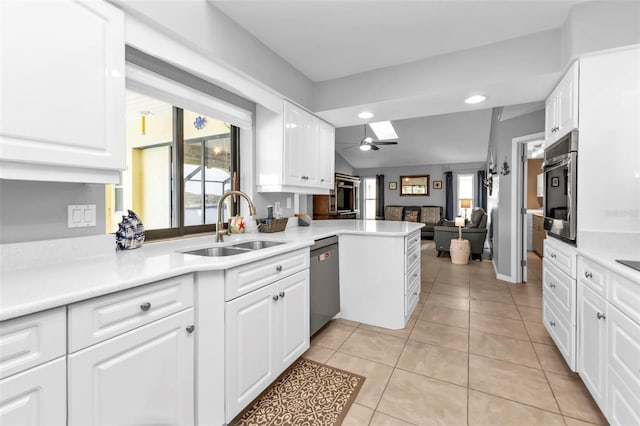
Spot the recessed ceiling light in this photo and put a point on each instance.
(365, 114)
(475, 99)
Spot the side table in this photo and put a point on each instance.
(460, 250)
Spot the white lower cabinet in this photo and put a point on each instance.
(142, 377)
(592, 339)
(36, 396)
(265, 331)
(609, 341)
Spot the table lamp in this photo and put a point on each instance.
(459, 223)
(465, 203)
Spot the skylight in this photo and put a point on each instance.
(383, 130)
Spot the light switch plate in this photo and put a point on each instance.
(81, 215)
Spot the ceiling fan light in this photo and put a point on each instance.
(476, 99)
(368, 139)
(365, 115)
(365, 147)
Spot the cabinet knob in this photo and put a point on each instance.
(588, 274)
(282, 294)
(600, 316)
(191, 328)
(321, 180)
(276, 297)
(552, 255)
(145, 306)
(279, 268)
(552, 285)
(552, 324)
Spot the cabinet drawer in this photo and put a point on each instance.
(31, 340)
(561, 288)
(594, 275)
(246, 278)
(37, 396)
(96, 320)
(624, 348)
(561, 255)
(412, 278)
(624, 294)
(411, 300)
(412, 241)
(561, 330)
(413, 258)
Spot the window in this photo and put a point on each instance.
(370, 198)
(179, 163)
(465, 194)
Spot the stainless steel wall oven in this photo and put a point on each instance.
(560, 187)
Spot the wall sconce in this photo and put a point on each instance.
(505, 168)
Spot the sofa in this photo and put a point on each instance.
(431, 216)
(475, 230)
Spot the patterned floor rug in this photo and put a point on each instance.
(307, 393)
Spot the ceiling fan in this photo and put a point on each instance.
(369, 144)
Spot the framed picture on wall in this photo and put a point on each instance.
(437, 184)
(393, 185)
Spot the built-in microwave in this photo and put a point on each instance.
(560, 187)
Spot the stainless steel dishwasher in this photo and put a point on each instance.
(324, 292)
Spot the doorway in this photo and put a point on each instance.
(526, 200)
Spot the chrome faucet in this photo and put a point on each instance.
(219, 225)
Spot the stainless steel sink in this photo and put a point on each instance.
(217, 251)
(232, 250)
(257, 245)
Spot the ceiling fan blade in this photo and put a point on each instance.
(351, 147)
(374, 148)
(384, 143)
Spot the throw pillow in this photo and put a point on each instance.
(411, 216)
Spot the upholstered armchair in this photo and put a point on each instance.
(431, 216)
(475, 231)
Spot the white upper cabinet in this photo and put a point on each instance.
(63, 91)
(294, 151)
(561, 107)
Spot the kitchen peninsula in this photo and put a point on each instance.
(213, 323)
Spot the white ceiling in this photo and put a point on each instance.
(331, 39)
(407, 59)
(444, 139)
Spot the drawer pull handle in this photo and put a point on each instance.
(282, 294)
(415, 293)
(588, 274)
(191, 328)
(279, 268)
(601, 316)
(553, 255)
(145, 306)
(552, 286)
(276, 297)
(552, 324)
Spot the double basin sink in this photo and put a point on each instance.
(234, 249)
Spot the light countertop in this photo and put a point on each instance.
(47, 274)
(606, 247)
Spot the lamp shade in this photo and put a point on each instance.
(459, 221)
(465, 203)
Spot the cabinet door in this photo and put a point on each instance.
(293, 318)
(624, 349)
(623, 405)
(327, 142)
(143, 377)
(250, 324)
(294, 133)
(62, 83)
(592, 339)
(550, 118)
(567, 103)
(36, 396)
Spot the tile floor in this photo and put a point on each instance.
(475, 352)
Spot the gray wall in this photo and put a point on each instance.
(33, 211)
(501, 145)
(436, 172)
(342, 165)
